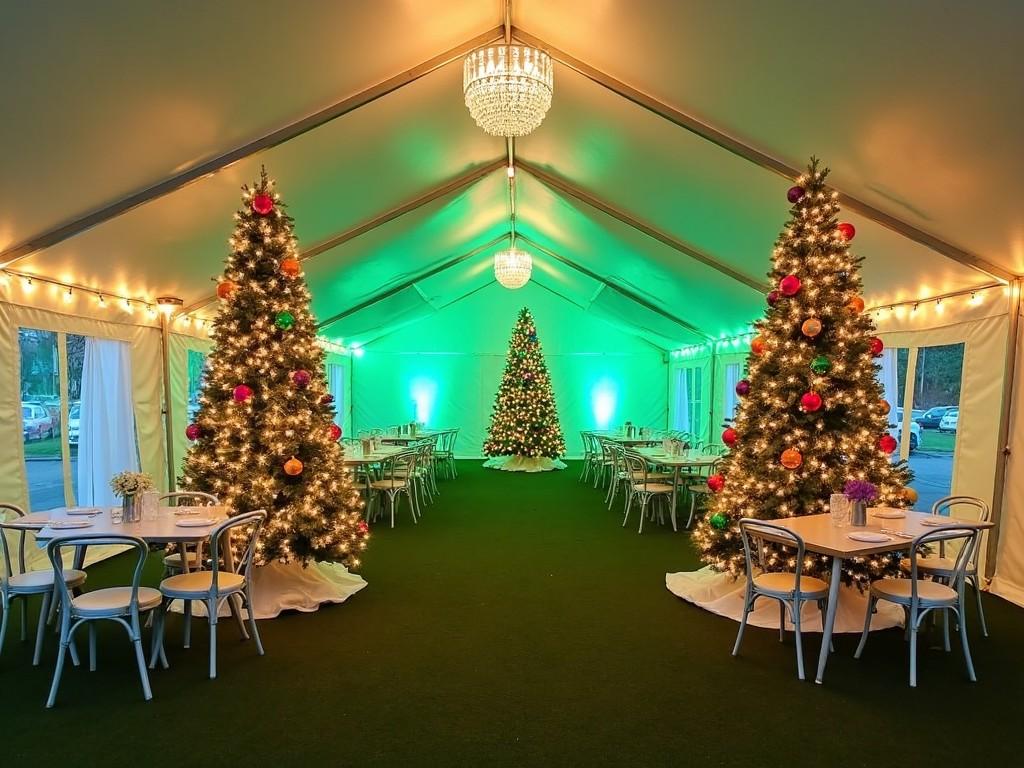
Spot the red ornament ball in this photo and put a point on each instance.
(293, 467)
(301, 378)
(793, 194)
(790, 285)
(742, 387)
(225, 290)
(810, 402)
(262, 203)
(326, 399)
(241, 393)
(730, 436)
(887, 443)
(791, 458)
(362, 526)
(757, 345)
(876, 346)
(716, 483)
(193, 431)
(335, 432)
(811, 327)
(846, 230)
(290, 266)
(773, 298)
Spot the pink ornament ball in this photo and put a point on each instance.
(193, 431)
(241, 393)
(301, 378)
(793, 194)
(773, 298)
(790, 285)
(742, 387)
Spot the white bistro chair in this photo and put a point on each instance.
(122, 605)
(919, 597)
(21, 584)
(176, 562)
(645, 485)
(396, 479)
(940, 566)
(791, 588)
(222, 582)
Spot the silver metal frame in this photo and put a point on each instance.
(972, 575)
(638, 463)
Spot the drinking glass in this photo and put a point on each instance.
(839, 507)
(117, 514)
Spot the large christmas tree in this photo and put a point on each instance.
(811, 414)
(265, 436)
(524, 421)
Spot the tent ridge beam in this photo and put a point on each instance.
(617, 288)
(267, 141)
(413, 280)
(762, 159)
(441, 190)
(572, 190)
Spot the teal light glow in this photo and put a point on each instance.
(424, 392)
(603, 398)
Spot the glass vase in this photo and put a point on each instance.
(132, 508)
(858, 513)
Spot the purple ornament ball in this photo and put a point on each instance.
(794, 194)
(773, 298)
(193, 431)
(742, 387)
(301, 378)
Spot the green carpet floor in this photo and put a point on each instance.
(518, 624)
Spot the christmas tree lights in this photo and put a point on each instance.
(265, 437)
(811, 415)
(524, 420)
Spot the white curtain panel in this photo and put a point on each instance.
(887, 378)
(682, 423)
(733, 372)
(106, 443)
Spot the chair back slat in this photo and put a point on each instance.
(758, 550)
(189, 499)
(966, 536)
(56, 545)
(11, 513)
(243, 552)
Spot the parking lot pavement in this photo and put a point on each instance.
(933, 473)
(46, 482)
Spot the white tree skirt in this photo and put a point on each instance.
(280, 587)
(719, 593)
(524, 464)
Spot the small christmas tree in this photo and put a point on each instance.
(265, 437)
(524, 421)
(811, 414)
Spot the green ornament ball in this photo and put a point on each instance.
(821, 365)
(719, 521)
(284, 320)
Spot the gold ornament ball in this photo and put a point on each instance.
(910, 495)
(293, 467)
(791, 458)
(884, 407)
(811, 327)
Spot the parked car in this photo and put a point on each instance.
(74, 416)
(932, 417)
(36, 422)
(950, 420)
(896, 430)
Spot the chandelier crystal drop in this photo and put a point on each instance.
(513, 267)
(508, 88)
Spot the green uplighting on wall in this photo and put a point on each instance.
(424, 393)
(603, 398)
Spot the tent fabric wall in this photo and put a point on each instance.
(178, 347)
(445, 370)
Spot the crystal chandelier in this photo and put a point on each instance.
(508, 88)
(513, 267)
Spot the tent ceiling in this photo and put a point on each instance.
(119, 102)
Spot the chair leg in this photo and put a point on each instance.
(963, 641)
(782, 621)
(693, 509)
(188, 623)
(797, 636)
(5, 607)
(747, 605)
(629, 505)
(44, 612)
(57, 672)
(981, 611)
(867, 628)
(252, 621)
(211, 607)
(24, 612)
(822, 607)
(913, 648)
(92, 646)
(235, 603)
(643, 512)
(945, 631)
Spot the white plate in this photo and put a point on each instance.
(888, 513)
(59, 525)
(874, 538)
(186, 512)
(84, 511)
(198, 522)
(935, 522)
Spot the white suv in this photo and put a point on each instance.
(950, 420)
(896, 430)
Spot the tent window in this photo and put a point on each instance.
(733, 372)
(336, 386)
(689, 400)
(196, 374)
(41, 417)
